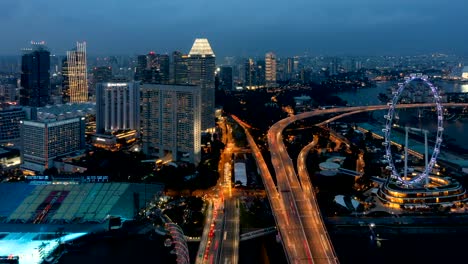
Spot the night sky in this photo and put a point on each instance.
(239, 27)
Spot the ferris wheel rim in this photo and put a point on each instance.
(388, 128)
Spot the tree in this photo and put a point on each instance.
(368, 136)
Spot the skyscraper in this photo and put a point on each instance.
(270, 68)
(35, 76)
(76, 75)
(254, 74)
(179, 69)
(163, 70)
(153, 68)
(99, 75)
(170, 121)
(260, 70)
(289, 68)
(250, 76)
(225, 78)
(140, 67)
(201, 72)
(117, 106)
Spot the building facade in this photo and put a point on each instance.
(8, 88)
(43, 141)
(225, 78)
(153, 68)
(254, 76)
(171, 122)
(10, 118)
(117, 106)
(76, 75)
(270, 68)
(99, 75)
(201, 72)
(179, 68)
(35, 76)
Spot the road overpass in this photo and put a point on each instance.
(293, 202)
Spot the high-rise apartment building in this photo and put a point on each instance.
(76, 75)
(35, 76)
(270, 68)
(117, 106)
(43, 141)
(171, 121)
(201, 72)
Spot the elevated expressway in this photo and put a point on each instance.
(293, 200)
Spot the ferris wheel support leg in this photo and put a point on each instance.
(425, 155)
(405, 173)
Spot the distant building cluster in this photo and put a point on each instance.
(165, 101)
(161, 103)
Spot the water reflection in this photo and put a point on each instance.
(454, 87)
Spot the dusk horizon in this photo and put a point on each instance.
(242, 28)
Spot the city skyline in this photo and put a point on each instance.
(360, 27)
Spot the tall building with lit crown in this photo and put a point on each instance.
(201, 72)
(117, 106)
(77, 75)
(43, 141)
(170, 121)
(35, 76)
(270, 68)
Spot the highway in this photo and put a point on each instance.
(287, 219)
(303, 202)
(231, 237)
(294, 205)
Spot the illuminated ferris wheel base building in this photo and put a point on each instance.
(423, 189)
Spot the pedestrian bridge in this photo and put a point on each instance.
(258, 233)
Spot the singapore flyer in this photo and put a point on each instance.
(420, 179)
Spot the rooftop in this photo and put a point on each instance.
(202, 47)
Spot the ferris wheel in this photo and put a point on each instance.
(419, 179)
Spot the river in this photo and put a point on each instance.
(454, 130)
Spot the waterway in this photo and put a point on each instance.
(454, 130)
(428, 249)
